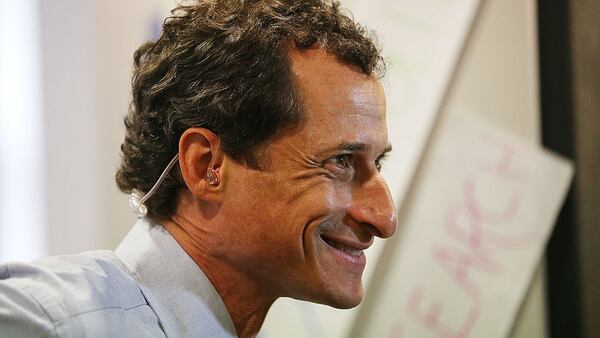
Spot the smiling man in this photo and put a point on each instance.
(253, 150)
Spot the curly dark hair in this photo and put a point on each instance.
(223, 65)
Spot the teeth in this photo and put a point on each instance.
(350, 251)
(347, 249)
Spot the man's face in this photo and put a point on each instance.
(299, 227)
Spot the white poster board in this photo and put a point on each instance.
(422, 41)
(473, 229)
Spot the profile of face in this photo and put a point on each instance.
(300, 226)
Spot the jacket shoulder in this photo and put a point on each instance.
(36, 297)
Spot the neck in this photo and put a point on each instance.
(246, 300)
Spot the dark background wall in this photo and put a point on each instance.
(585, 61)
(569, 41)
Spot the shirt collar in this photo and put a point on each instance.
(185, 301)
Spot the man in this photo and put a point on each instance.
(253, 148)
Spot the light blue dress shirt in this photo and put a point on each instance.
(148, 287)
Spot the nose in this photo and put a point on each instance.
(372, 207)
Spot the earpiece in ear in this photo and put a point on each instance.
(212, 177)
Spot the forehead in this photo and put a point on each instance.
(342, 104)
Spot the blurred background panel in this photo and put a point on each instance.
(87, 58)
(23, 221)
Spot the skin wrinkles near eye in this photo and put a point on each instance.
(347, 161)
(340, 167)
(343, 161)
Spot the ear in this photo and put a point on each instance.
(199, 151)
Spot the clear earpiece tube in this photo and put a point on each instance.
(137, 198)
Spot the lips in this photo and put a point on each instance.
(345, 245)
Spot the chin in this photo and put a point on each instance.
(345, 303)
(342, 299)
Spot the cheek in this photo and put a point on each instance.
(335, 196)
(269, 215)
(324, 203)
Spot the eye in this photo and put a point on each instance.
(342, 161)
(378, 162)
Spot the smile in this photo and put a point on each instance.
(343, 247)
(348, 251)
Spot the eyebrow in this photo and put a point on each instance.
(359, 146)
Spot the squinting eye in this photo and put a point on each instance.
(342, 161)
(378, 163)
